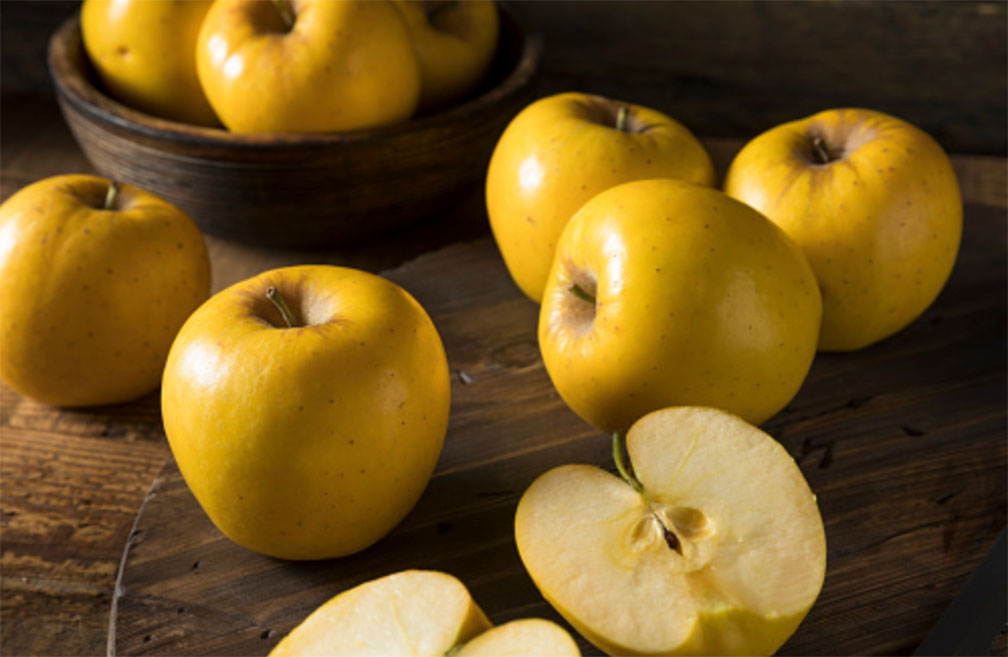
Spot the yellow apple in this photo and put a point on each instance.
(562, 150)
(417, 612)
(95, 284)
(875, 205)
(306, 408)
(144, 52)
(667, 293)
(714, 546)
(455, 42)
(307, 66)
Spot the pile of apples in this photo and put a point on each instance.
(290, 65)
(687, 315)
(674, 316)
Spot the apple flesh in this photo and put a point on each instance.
(417, 612)
(875, 205)
(526, 637)
(413, 612)
(717, 549)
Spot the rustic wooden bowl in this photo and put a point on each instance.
(297, 190)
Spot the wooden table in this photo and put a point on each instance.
(71, 482)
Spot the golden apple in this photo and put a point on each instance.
(713, 545)
(455, 43)
(96, 280)
(307, 66)
(306, 408)
(417, 612)
(144, 52)
(875, 205)
(667, 293)
(562, 150)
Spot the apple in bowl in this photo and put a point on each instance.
(145, 54)
(711, 543)
(455, 42)
(875, 205)
(309, 66)
(306, 408)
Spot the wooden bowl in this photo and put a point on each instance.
(297, 190)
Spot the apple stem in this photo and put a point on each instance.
(820, 150)
(617, 454)
(286, 12)
(580, 293)
(274, 295)
(621, 118)
(111, 195)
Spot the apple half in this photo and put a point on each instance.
(714, 546)
(418, 612)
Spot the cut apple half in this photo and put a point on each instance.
(417, 613)
(714, 546)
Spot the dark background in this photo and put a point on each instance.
(725, 69)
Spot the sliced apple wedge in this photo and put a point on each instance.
(418, 613)
(528, 637)
(715, 547)
(413, 612)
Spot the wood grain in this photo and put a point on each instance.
(903, 443)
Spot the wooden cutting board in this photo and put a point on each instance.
(903, 442)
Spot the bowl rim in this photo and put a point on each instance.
(73, 87)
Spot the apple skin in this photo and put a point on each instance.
(344, 65)
(562, 150)
(455, 43)
(880, 224)
(314, 441)
(93, 298)
(700, 301)
(145, 54)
